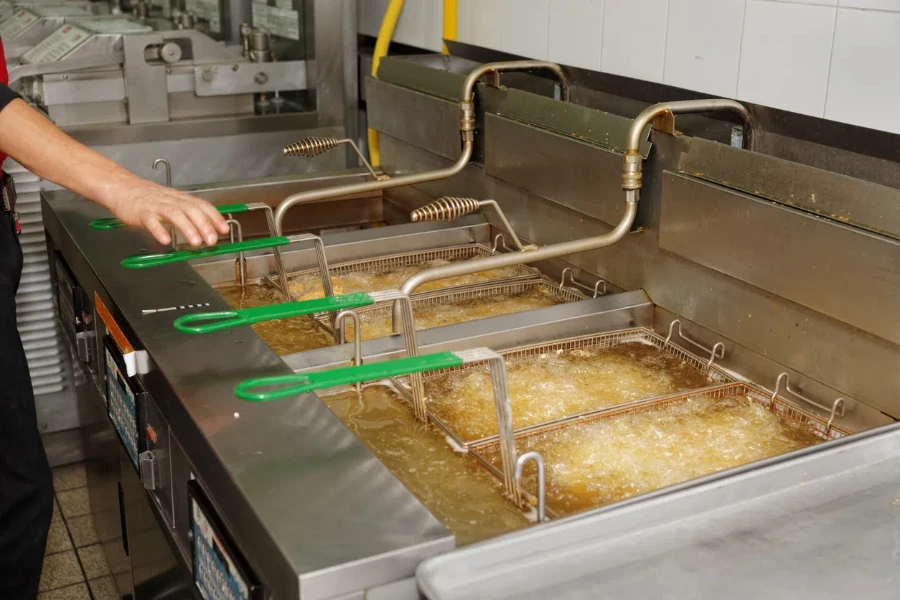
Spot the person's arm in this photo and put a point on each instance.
(43, 149)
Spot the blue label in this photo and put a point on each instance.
(215, 574)
(121, 405)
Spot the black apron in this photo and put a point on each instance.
(26, 483)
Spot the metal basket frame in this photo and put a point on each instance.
(783, 408)
(470, 292)
(596, 340)
(380, 264)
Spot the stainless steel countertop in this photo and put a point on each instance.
(825, 525)
(295, 488)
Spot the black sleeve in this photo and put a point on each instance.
(6, 95)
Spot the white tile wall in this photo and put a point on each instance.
(864, 87)
(576, 33)
(891, 5)
(785, 55)
(703, 45)
(634, 38)
(523, 27)
(831, 58)
(478, 22)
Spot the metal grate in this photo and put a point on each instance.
(716, 375)
(410, 259)
(472, 292)
(48, 362)
(785, 409)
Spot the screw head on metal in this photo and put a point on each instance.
(261, 78)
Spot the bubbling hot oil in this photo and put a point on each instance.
(285, 336)
(309, 285)
(454, 487)
(594, 463)
(377, 323)
(550, 386)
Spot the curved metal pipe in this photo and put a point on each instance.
(632, 162)
(498, 261)
(466, 128)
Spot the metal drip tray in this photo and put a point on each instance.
(376, 320)
(405, 265)
(698, 372)
(802, 428)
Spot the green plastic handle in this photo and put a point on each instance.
(114, 223)
(301, 383)
(143, 261)
(217, 321)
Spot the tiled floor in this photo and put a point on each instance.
(75, 567)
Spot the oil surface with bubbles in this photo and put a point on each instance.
(594, 463)
(309, 285)
(454, 487)
(557, 384)
(285, 336)
(377, 323)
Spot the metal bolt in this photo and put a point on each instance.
(261, 78)
(235, 67)
(209, 73)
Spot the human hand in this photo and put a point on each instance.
(153, 206)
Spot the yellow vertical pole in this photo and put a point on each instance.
(385, 33)
(450, 19)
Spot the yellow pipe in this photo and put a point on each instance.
(388, 24)
(450, 17)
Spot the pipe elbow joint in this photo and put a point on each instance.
(632, 170)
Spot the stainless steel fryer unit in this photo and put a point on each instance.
(391, 262)
(716, 375)
(821, 427)
(471, 292)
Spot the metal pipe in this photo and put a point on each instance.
(632, 162)
(499, 261)
(466, 128)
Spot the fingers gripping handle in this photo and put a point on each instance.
(221, 320)
(143, 261)
(114, 223)
(266, 389)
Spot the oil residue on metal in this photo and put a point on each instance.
(550, 386)
(594, 463)
(377, 323)
(454, 487)
(308, 286)
(285, 336)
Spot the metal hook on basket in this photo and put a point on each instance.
(165, 163)
(717, 351)
(541, 489)
(599, 285)
(357, 337)
(234, 225)
(833, 411)
(499, 242)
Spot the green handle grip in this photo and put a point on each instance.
(143, 261)
(114, 223)
(300, 383)
(226, 319)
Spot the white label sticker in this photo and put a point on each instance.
(11, 28)
(6, 9)
(285, 4)
(277, 21)
(57, 45)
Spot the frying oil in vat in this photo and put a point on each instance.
(305, 287)
(594, 463)
(377, 324)
(285, 336)
(453, 486)
(557, 384)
